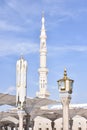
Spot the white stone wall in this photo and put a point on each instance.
(42, 123)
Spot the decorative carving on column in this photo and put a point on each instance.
(65, 100)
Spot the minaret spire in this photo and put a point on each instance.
(43, 71)
(43, 36)
(43, 21)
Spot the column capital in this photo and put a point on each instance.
(21, 113)
(65, 100)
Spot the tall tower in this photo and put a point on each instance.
(21, 82)
(43, 71)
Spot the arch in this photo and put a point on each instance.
(79, 122)
(10, 119)
(58, 124)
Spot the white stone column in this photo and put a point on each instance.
(21, 114)
(65, 99)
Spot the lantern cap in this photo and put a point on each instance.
(65, 73)
(65, 77)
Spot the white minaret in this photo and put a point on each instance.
(43, 71)
(21, 82)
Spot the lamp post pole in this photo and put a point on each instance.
(65, 89)
(65, 100)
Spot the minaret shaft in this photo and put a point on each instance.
(43, 60)
(43, 71)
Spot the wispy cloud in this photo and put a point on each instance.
(53, 87)
(28, 48)
(11, 89)
(24, 13)
(70, 48)
(63, 11)
(17, 48)
(17, 16)
(4, 26)
(66, 49)
(23, 8)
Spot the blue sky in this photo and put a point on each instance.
(66, 28)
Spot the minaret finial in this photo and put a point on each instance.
(43, 31)
(65, 73)
(43, 20)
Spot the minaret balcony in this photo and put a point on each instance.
(43, 70)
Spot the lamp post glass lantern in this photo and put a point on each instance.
(65, 84)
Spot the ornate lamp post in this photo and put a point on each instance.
(65, 86)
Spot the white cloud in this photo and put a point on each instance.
(11, 89)
(19, 16)
(23, 8)
(17, 48)
(53, 87)
(62, 50)
(66, 48)
(5, 26)
(11, 3)
(24, 13)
